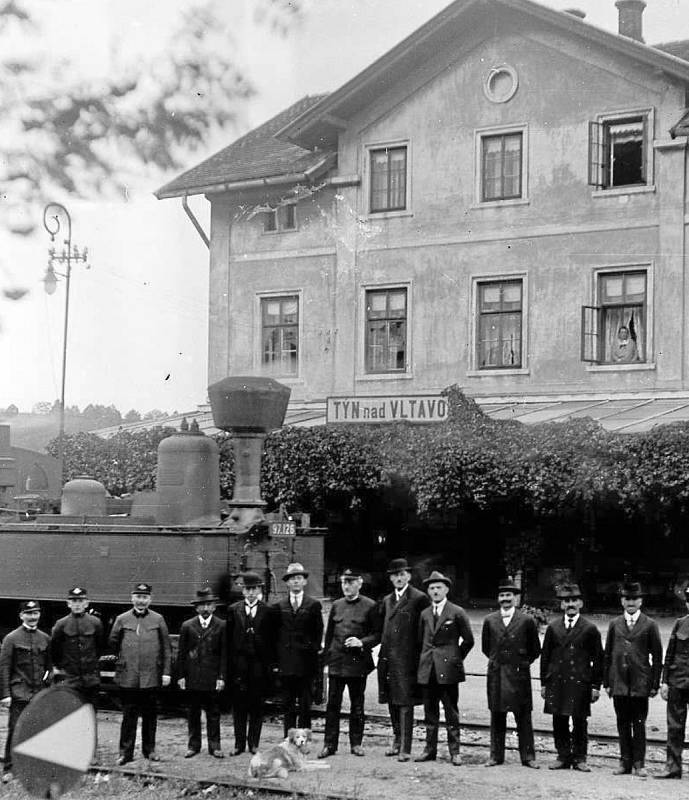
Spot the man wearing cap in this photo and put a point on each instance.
(674, 688)
(201, 665)
(141, 642)
(353, 630)
(299, 620)
(398, 657)
(571, 675)
(251, 643)
(25, 669)
(509, 641)
(441, 664)
(631, 674)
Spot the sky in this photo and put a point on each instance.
(138, 318)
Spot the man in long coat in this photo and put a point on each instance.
(631, 674)
(299, 620)
(201, 666)
(441, 664)
(251, 644)
(571, 675)
(398, 657)
(509, 641)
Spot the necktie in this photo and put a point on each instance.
(630, 623)
(295, 605)
(436, 612)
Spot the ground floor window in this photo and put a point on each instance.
(386, 330)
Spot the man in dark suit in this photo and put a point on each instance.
(441, 667)
(299, 620)
(201, 665)
(509, 641)
(398, 657)
(571, 675)
(251, 644)
(632, 642)
(353, 630)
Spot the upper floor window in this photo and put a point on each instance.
(501, 166)
(282, 218)
(619, 151)
(280, 334)
(615, 330)
(388, 179)
(499, 335)
(386, 330)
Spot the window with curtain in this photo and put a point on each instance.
(280, 334)
(619, 152)
(388, 179)
(386, 330)
(501, 167)
(499, 335)
(622, 303)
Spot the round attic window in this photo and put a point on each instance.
(500, 84)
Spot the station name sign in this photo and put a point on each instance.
(412, 408)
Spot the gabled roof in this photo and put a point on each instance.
(679, 49)
(257, 155)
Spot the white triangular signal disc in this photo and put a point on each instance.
(68, 742)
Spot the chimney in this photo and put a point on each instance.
(630, 13)
(576, 12)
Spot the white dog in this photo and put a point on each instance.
(288, 756)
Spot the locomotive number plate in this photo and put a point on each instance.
(283, 528)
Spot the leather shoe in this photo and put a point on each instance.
(456, 760)
(668, 776)
(530, 764)
(426, 756)
(623, 769)
(237, 751)
(581, 766)
(122, 760)
(640, 772)
(404, 757)
(325, 752)
(358, 750)
(558, 765)
(191, 753)
(217, 753)
(392, 751)
(492, 763)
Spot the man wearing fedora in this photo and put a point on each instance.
(441, 664)
(398, 657)
(571, 675)
(201, 665)
(251, 644)
(25, 669)
(353, 630)
(299, 620)
(509, 641)
(140, 640)
(631, 674)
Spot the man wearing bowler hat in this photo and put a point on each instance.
(571, 675)
(141, 642)
(509, 641)
(201, 665)
(353, 630)
(299, 620)
(631, 674)
(251, 645)
(25, 668)
(398, 657)
(441, 664)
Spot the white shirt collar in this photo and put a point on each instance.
(439, 606)
(298, 597)
(634, 617)
(507, 615)
(574, 620)
(205, 622)
(399, 593)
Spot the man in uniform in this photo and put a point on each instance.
(353, 630)
(25, 667)
(441, 664)
(632, 642)
(398, 657)
(509, 641)
(201, 666)
(571, 675)
(140, 640)
(299, 620)
(675, 690)
(251, 643)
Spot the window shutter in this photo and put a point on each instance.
(590, 334)
(645, 150)
(597, 155)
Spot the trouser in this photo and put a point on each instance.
(209, 701)
(356, 688)
(297, 699)
(571, 746)
(498, 729)
(138, 703)
(402, 718)
(631, 713)
(677, 700)
(247, 715)
(16, 708)
(435, 693)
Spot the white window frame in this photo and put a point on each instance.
(503, 130)
(279, 228)
(361, 374)
(368, 147)
(259, 367)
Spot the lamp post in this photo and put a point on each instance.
(69, 253)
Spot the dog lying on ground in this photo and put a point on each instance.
(288, 756)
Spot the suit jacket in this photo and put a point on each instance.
(571, 666)
(627, 670)
(510, 651)
(299, 636)
(676, 668)
(142, 646)
(251, 643)
(439, 644)
(351, 618)
(398, 658)
(202, 655)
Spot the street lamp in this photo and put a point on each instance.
(69, 253)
